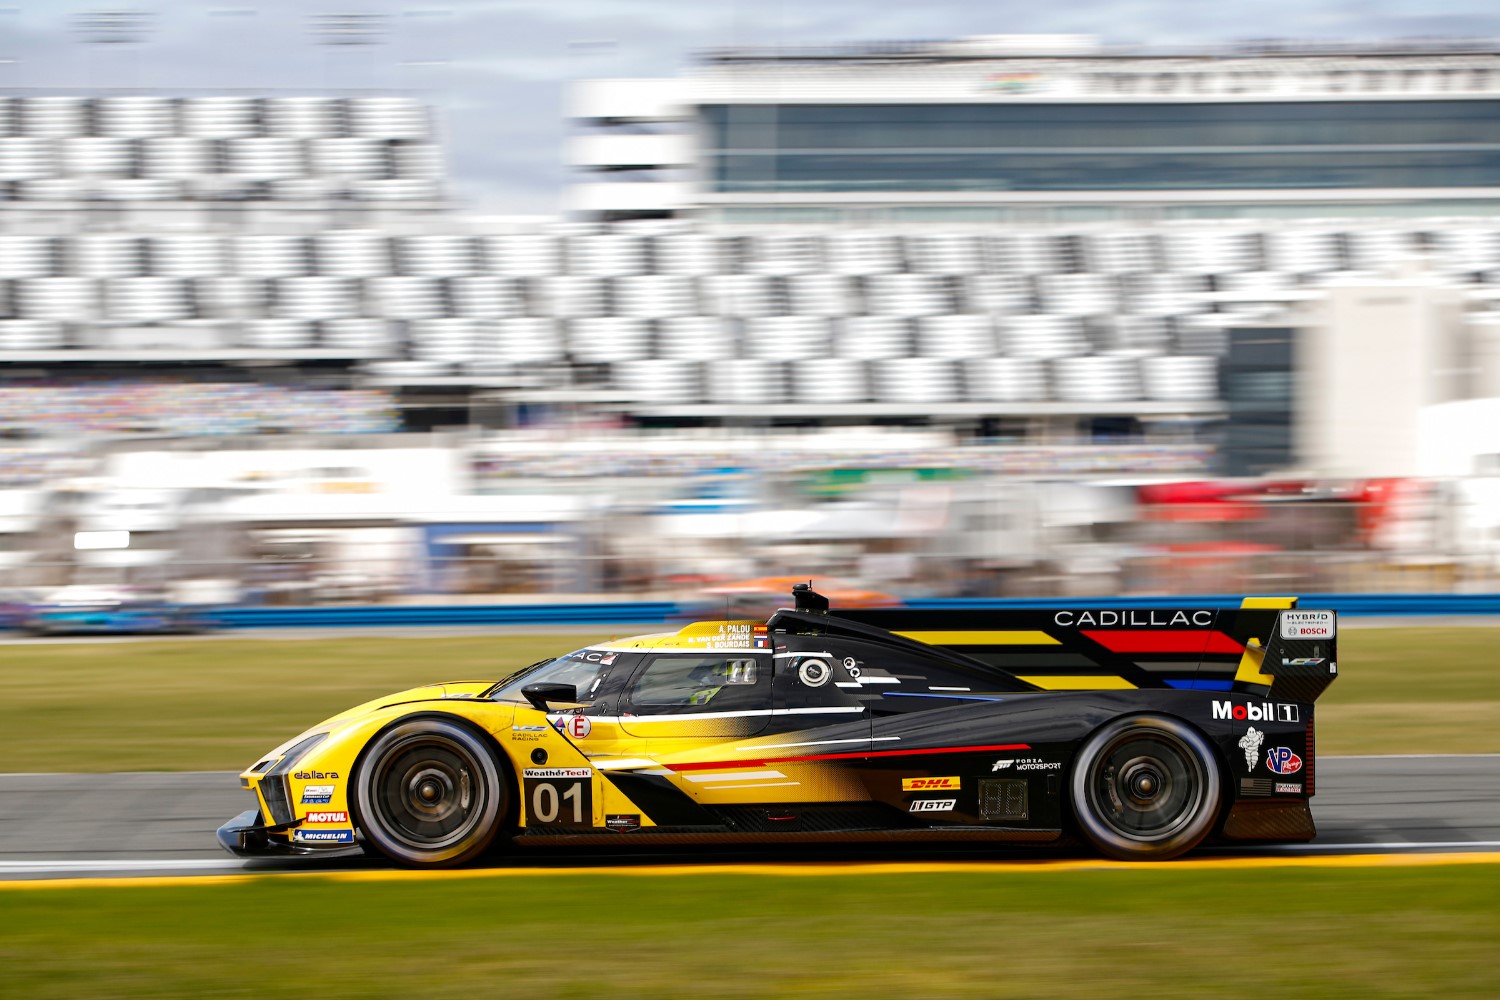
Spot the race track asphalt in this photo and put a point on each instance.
(71, 825)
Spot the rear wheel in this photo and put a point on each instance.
(429, 792)
(1146, 788)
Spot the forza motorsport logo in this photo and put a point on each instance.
(1263, 711)
(1025, 764)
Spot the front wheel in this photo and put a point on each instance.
(1146, 788)
(429, 793)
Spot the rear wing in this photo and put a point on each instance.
(1266, 647)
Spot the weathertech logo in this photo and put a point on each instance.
(929, 784)
(933, 805)
(327, 817)
(1255, 712)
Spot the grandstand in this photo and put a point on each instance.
(303, 241)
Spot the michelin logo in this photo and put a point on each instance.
(1250, 743)
(325, 836)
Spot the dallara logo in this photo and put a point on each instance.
(929, 784)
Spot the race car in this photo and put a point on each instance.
(1142, 731)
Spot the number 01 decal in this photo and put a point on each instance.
(559, 802)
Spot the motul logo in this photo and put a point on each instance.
(327, 817)
(1255, 712)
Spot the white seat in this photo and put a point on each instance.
(1181, 377)
(915, 380)
(526, 340)
(219, 117)
(606, 255)
(1209, 250)
(301, 117)
(395, 189)
(96, 156)
(387, 117)
(664, 381)
(955, 337)
(1020, 253)
(1380, 250)
(859, 253)
(484, 296)
(53, 117)
(829, 380)
(1005, 380)
(605, 339)
(655, 296)
(1143, 334)
(1204, 334)
(66, 300)
(24, 158)
(185, 255)
(107, 255)
(1303, 251)
(265, 158)
(782, 254)
(277, 334)
(997, 293)
(314, 298)
(1097, 378)
(746, 382)
(787, 338)
(523, 255)
(138, 189)
(349, 159)
(1041, 336)
(1077, 294)
(270, 255)
(146, 300)
(871, 338)
(943, 253)
(436, 255)
(25, 256)
(177, 157)
(352, 253)
(405, 297)
(1162, 294)
(1121, 251)
(907, 295)
(135, 116)
(29, 335)
(1466, 250)
(695, 338)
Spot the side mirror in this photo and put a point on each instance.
(540, 694)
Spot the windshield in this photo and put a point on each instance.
(585, 669)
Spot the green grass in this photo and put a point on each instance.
(216, 704)
(1148, 933)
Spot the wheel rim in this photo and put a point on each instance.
(1146, 786)
(427, 793)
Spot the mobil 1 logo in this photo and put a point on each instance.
(559, 796)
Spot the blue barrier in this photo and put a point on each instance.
(671, 613)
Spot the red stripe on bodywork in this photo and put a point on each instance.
(1165, 641)
(849, 755)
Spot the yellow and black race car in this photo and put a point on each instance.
(1145, 731)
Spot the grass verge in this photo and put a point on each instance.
(214, 704)
(1150, 932)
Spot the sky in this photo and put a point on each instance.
(497, 70)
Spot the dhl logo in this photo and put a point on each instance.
(928, 784)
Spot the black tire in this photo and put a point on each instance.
(429, 793)
(1146, 788)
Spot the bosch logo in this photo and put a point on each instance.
(1283, 761)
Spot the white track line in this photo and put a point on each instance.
(122, 864)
